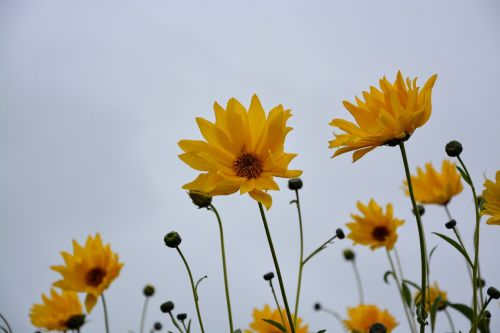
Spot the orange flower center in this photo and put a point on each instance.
(247, 165)
(380, 233)
(95, 276)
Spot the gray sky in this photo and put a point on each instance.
(95, 95)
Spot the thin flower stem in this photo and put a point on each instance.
(421, 236)
(301, 265)
(335, 315)
(483, 309)
(448, 212)
(457, 233)
(358, 281)
(106, 319)
(398, 263)
(476, 250)
(6, 323)
(224, 268)
(319, 249)
(408, 317)
(277, 267)
(143, 316)
(195, 293)
(185, 328)
(450, 320)
(277, 303)
(4, 329)
(174, 321)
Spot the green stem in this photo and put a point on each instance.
(185, 328)
(6, 323)
(483, 309)
(301, 266)
(195, 294)
(459, 238)
(423, 249)
(105, 312)
(4, 329)
(319, 249)
(277, 267)
(398, 263)
(476, 250)
(334, 315)
(277, 303)
(224, 268)
(450, 320)
(174, 321)
(358, 281)
(143, 316)
(448, 212)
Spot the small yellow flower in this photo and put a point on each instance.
(491, 197)
(243, 150)
(90, 269)
(260, 326)
(364, 316)
(433, 292)
(54, 313)
(386, 116)
(374, 228)
(432, 187)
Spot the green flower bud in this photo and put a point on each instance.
(172, 239)
(268, 276)
(181, 316)
(340, 233)
(167, 307)
(157, 326)
(493, 292)
(148, 290)
(200, 199)
(453, 148)
(349, 255)
(295, 184)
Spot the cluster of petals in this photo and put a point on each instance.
(364, 316)
(55, 311)
(260, 326)
(433, 292)
(491, 198)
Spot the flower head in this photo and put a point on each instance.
(432, 187)
(491, 197)
(90, 269)
(374, 228)
(243, 150)
(433, 292)
(364, 316)
(58, 312)
(386, 116)
(260, 326)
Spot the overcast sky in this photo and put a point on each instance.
(95, 95)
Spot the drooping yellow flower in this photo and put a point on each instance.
(491, 197)
(58, 312)
(386, 116)
(433, 292)
(242, 151)
(374, 228)
(260, 326)
(90, 269)
(364, 316)
(432, 187)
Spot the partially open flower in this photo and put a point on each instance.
(363, 317)
(491, 199)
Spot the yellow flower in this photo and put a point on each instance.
(242, 151)
(491, 197)
(374, 228)
(260, 326)
(386, 116)
(364, 316)
(54, 313)
(433, 292)
(432, 187)
(90, 269)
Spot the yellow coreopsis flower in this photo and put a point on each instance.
(260, 326)
(90, 269)
(433, 292)
(364, 316)
(432, 187)
(243, 150)
(374, 228)
(385, 117)
(491, 197)
(60, 312)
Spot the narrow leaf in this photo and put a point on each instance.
(406, 294)
(463, 309)
(413, 284)
(434, 308)
(386, 276)
(456, 246)
(464, 175)
(275, 324)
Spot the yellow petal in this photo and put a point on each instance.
(262, 197)
(90, 301)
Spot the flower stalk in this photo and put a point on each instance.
(106, 321)
(301, 258)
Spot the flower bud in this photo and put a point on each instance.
(157, 326)
(75, 322)
(167, 307)
(317, 306)
(487, 314)
(295, 184)
(268, 276)
(481, 283)
(421, 210)
(378, 328)
(453, 148)
(200, 199)
(450, 224)
(172, 239)
(181, 316)
(493, 292)
(148, 290)
(340, 233)
(349, 255)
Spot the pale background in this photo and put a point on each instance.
(94, 96)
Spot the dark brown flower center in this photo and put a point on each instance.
(248, 166)
(380, 233)
(95, 276)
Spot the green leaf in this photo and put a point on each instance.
(463, 309)
(406, 294)
(386, 276)
(434, 308)
(456, 246)
(322, 331)
(431, 253)
(293, 201)
(413, 284)
(464, 175)
(275, 324)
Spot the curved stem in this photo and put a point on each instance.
(143, 316)
(319, 249)
(6, 323)
(301, 265)
(106, 320)
(277, 303)
(195, 294)
(224, 268)
(277, 267)
(358, 281)
(174, 321)
(4, 329)
(423, 248)
(334, 315)
(450, 320)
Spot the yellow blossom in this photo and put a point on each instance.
(364, 316)
(433, 292)
(54, 313)
(243, 150)
(386, 116)
(491, 197)
(374, 227)
(260, 326)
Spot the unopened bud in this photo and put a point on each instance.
(450, 224)
(295, 184)
(200, 199)
(167, 307)
(157, 326)
(349, 254)
(421, 210)
(453, 148)
(268, 276)
(340, 233)
(148, 290)
(317, 306)
(181, 316)
(493, 292)
(172, 239)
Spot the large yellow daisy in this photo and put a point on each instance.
(260, 326)
(491, 197)
(58, 312)
(374, 227)
(386, 116)
(364, 316)
(243, 150)
(432, 187)
(433, 292)
(90, 269)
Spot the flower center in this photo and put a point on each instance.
(95, 276)
(380, 233)
(248, 166)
